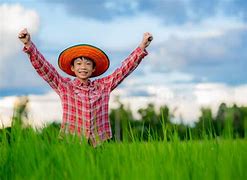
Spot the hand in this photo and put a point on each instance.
(147, 38)
(25, 37)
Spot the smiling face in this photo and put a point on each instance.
(83, 68)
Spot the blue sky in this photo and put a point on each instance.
(198, 46)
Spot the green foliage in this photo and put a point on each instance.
(230, 122)
(151, 148)
(155, 124)
(41, 155)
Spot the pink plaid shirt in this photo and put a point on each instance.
(85, 106)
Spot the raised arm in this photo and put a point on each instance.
(43, 67)
(129, 64)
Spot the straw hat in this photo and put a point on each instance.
(88, 51)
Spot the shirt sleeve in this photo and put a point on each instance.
(43, 67)
(128, 66)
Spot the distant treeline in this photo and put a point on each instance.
(230, 122)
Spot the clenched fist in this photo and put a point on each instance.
(25, 37)
(147, 38)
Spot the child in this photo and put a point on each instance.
(84, 102)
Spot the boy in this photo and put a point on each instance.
(84, 102)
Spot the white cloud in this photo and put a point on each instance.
(240, 94)
(157, 78)
(207, 93)
(184, 101)
(6, 110)
(13, 19)
(123, 33)
(44, 108)
(210, 27)
(211, 95)
(41, 109)
(119, 35)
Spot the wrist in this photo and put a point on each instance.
(27, 44)
(142, 47)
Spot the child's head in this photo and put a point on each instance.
(83, 56)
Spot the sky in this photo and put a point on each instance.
(196, 59)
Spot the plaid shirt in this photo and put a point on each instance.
(85, 106)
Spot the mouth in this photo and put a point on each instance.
(83, 72)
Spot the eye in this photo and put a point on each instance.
(78, 63)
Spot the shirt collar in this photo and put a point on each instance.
(77, 82)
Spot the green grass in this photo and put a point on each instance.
(26, 154)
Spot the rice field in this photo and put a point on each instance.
(28, 154)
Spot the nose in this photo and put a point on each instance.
(83, 65)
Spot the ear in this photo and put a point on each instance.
(93, 69)
(72, 68)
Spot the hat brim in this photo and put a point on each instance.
(100, 59)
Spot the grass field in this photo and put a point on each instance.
(26, 154)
